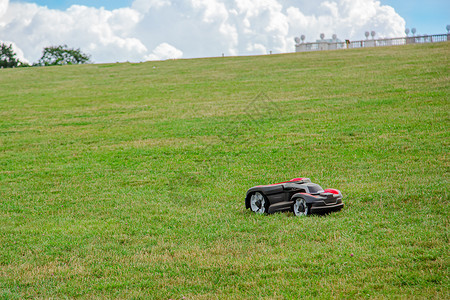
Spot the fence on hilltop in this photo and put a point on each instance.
(337, 45)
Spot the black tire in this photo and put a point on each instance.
(300, 208)
(258, 203)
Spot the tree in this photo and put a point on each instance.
(8, 57)
(62, 55)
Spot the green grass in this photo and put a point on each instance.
(128, 180)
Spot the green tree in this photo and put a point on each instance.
(62, 55)
(8, 57)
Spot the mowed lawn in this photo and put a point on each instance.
(128, 180)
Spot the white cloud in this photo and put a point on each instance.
(104, 34)
(146, 5)
(164, 51)
(3, 7)
(191, 28)
(349, 19)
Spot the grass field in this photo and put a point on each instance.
(128, 180)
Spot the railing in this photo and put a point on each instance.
(320, 46)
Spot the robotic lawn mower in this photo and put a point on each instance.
(298, 195)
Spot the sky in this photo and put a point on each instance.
(142, 30)
(428, 17)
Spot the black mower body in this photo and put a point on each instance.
(282, 196)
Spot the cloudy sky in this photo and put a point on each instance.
(140, 30)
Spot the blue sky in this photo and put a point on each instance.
(428, 17)
(63, 4)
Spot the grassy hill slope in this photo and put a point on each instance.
(128, 180)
